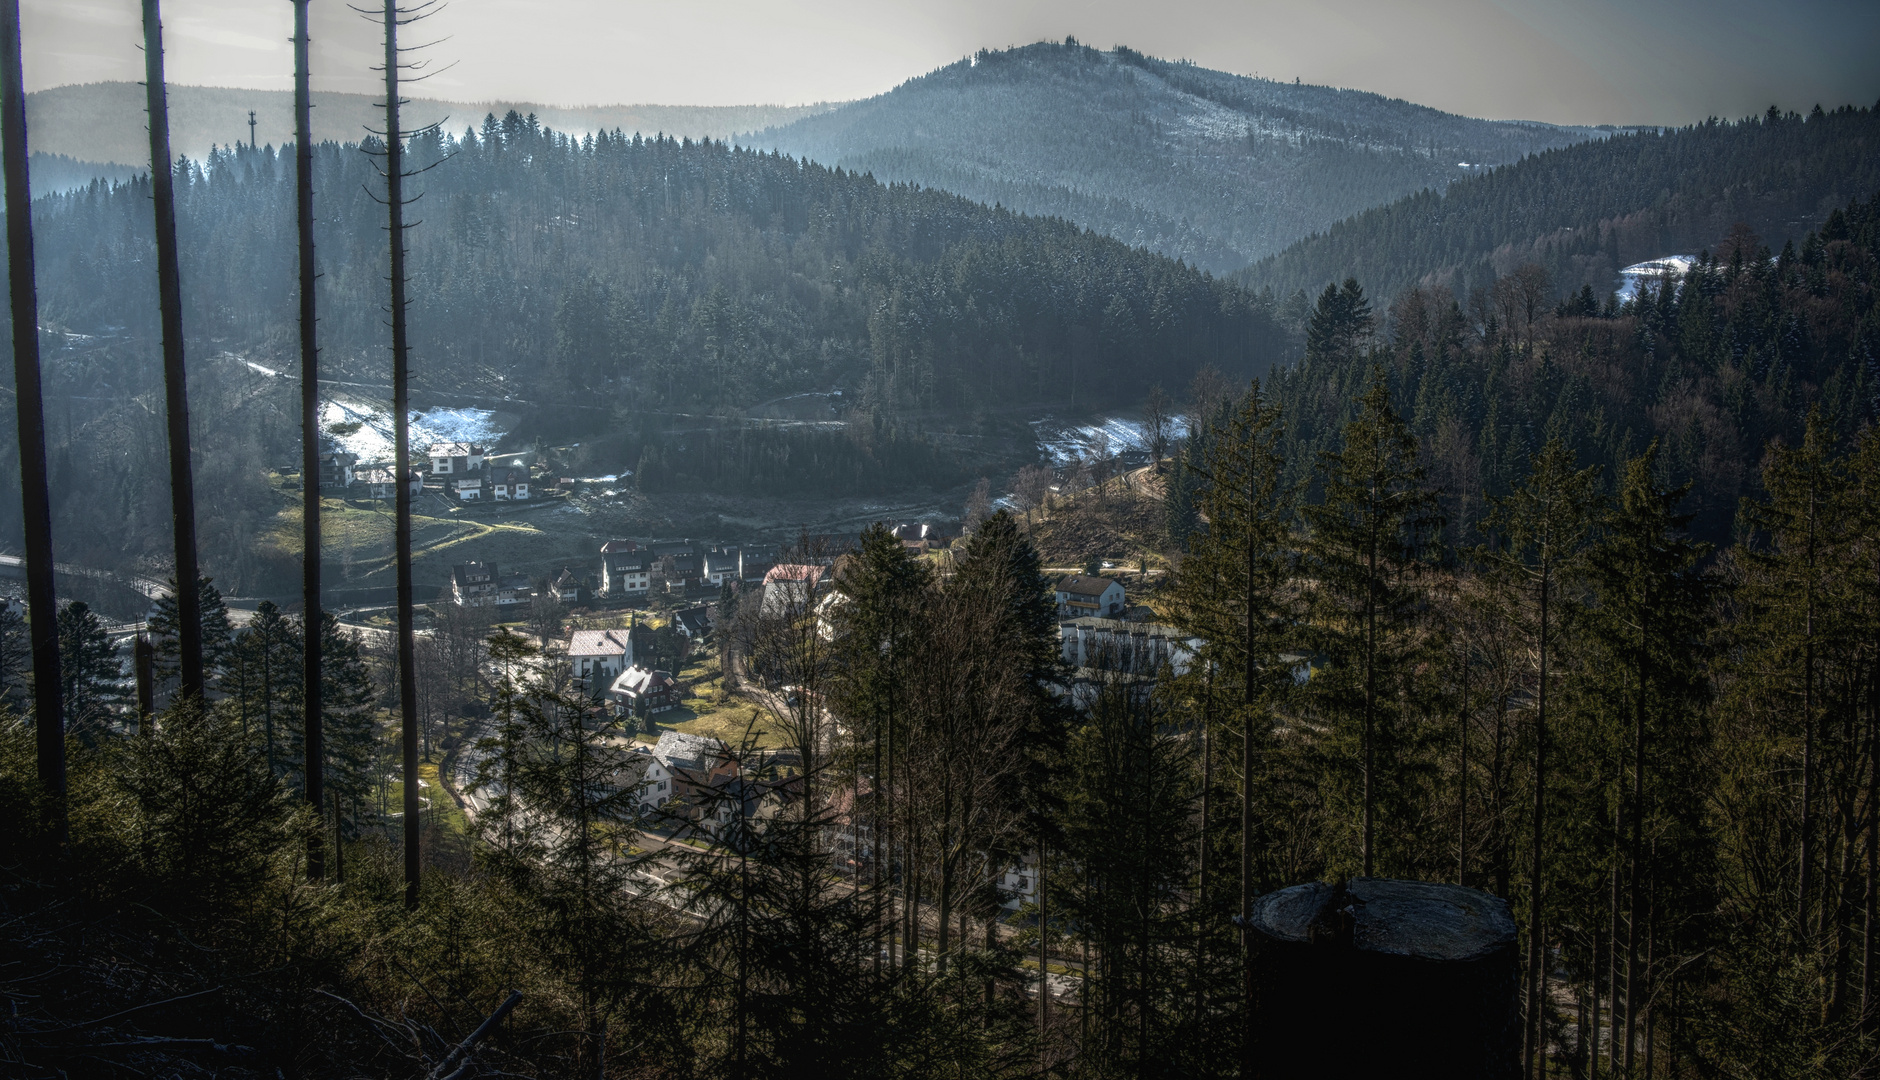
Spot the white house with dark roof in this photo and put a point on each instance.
(626, 573)
(1080, 595)
(455, 458)
(600, 654)
(648, 776)
(566, 587)
(508, 483)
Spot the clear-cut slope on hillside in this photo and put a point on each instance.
(1213, 168)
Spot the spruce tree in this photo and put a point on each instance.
(88, 668)
(216, 636)
(1650, 618)
(1537, 532)
(1367, 547)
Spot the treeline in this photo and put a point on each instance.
(647, 272)
(1586, 211)
(1209, 167)
(1711, 368)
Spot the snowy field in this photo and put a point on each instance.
(1060, 443)
(1650, 271)
(373, 439)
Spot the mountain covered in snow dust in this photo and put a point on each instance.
(1214, 168)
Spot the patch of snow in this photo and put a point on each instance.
(269, 372)
(1060, 444)
(373, 440)
(1651, 271)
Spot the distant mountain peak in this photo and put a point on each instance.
(1208, 166)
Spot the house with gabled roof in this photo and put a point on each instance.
(600, 655)
(455, 458)
(1080, 595)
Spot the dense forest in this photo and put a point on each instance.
(1213, 168)
(638, 288)
(1584, 212)
(1711, 369)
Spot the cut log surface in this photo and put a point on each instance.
(1402, 918)
(1378, 976)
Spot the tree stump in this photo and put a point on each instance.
(1379, 978)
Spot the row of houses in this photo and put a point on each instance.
(461, 471)
(629, 569)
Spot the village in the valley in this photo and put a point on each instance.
(650, 627)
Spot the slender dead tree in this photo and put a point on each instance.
(401, 442)
(314, 737)
(36, 503)
(175, 383)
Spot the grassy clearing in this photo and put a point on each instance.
(442, 812)
(709, 710)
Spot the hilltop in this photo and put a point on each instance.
(1214, 168)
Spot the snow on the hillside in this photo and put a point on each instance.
(373, 440)
(1061, 443)
(1651, 271)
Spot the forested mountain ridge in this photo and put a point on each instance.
(611, 286)
(104, 122)
(1714, 369)
(1210, 167)
(1584, 212)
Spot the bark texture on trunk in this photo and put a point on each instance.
(35, 499)
(175, 378)
(313, 737)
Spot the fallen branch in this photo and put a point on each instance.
(449, 1069)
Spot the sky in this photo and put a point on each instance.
(1562, 61)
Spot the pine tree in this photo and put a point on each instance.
(88, 667)
(217, 633)
(1129, 792)
(1367, 547)
(259, 673)
(1650, 618)
(1539, 530)
(877, 632)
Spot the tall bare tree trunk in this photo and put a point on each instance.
(1806, 856)
(35, 500)
(1247, 1063)
(175, 378)
(1867, 983)
(1537, 951)
(1634, 872)
(401, 442)
(311, 610)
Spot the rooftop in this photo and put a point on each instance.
(1084, 585)
(598, 643)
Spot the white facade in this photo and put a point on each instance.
(600, 654)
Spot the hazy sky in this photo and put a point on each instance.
(1570, 61)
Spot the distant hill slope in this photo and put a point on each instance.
(105, 121)
(1586, 211)
(1214, 168)
(53, 173)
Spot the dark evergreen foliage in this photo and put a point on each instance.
(1586, 211)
